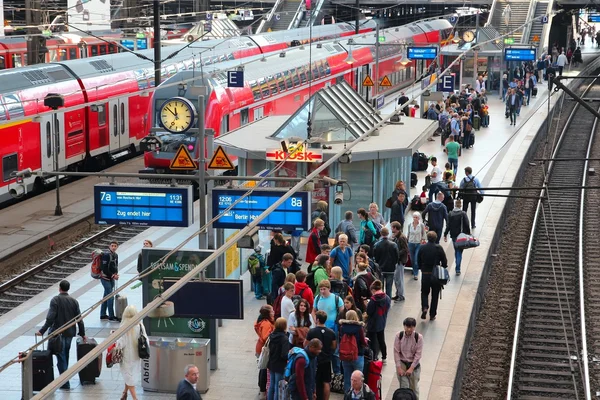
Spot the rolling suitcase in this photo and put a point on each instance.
(43, 369)
(120, 305)
(476, 122)
(92, 370)
(413, 180)
(534, 92)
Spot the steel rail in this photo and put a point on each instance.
(511, 374)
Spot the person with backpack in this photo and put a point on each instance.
(109, 274)
(332, 304)
(318, 273)
(299, 323)
(338, 284)
(398, 209)
(368, 233)
(431, 254)
(362, 283)
(341, 256)
(301, 288)
(263, 327)
(278, 274)
(470, 193)
(313, 247)
(349, 304)
(453, 151)
(347, 227)
(287, 305)
(279, 346)
(402, 243)
(377, 311)
(328, 339)
(301, 370)
(438, 215)
(458, 223)
(373, 267)
(352, 344)
(321, 213)
(359, 390)
(408, 349)
(279, 247)
(386, 254)
(256, 267)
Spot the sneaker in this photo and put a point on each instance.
(457, 273)
(114, 319)
(103, 317)
(384, 361)
(416, 278)
(395, 298)
(424, 314)
(399, 299)
(432, 318)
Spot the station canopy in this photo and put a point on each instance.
(337, 114)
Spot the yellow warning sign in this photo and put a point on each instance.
(385, 81)
(536, 38)
(368, 81)
(220, 160)
(183, 160)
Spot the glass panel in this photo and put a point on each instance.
(296, 126)
(57, 135)
(122, 117)
(2, 62)
(14, 105)
(48, 140)
(9, 165)
(115, 120)
(102, 116)
(361, 175)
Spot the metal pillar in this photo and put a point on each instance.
(202, 237)
(376, 60)
(58, 209)
(156, 42)
(357, 16)
(26, 375)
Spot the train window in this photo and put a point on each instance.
(315, 71)
(53, 55)
(302, 74)
(295, 78)
(288, 79)
(280, 82)
(112, 49)
(2, 62)
(9, 165)
(17, 60)
(57, 133)
(62, 54)
(48, 140)
(14, 106)
(273, 85)
(115, 120)
(102, 49)
(327, 69)
(255, 90)
(321, 70)
(102, 115)
(94, 50)
(122, 117)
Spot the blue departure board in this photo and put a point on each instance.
(522, 54)
(293, 214)
(143, 205)
(595, 18)
(421, 53)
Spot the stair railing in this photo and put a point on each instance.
(543, 46)
(295, 23)
(491, 15)
(269, 17)
(530, 16)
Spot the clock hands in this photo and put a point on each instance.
(172, 112)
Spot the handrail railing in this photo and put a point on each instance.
(491, 15)
(542, 46)
(530, 15)
(269, 16)
(317, 11)
(295, 23)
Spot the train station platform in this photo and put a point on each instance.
(499, 151)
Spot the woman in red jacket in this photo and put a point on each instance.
(313, 249)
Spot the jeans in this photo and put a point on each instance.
(528, 95)
(512, 111)
(504, 90)
(349, 368)
(274, 386)
(465, 207)
(376, 343)
(109, 287)
(257, 285)
(262, 380)
(413, 249)
(458, 256)
(560, 70)
(388, 281)
(485, 122)
(438, 232)
(433, 189)
(399, 280)
(453, 163)
(335, 360)
(426, 287)
(62, 358)
(412, 381)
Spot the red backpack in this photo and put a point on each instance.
(348, 348)
(277, 305)
(96, 264)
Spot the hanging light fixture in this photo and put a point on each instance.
(350, 59)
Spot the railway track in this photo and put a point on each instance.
(543, 357)
(58, 266)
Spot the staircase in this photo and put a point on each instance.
(286, 13)
(537, 26)
(518, 16)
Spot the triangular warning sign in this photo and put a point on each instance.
(368, 81)
(220, 160)
(183, 160)
(385, 81)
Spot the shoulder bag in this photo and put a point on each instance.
(440, 275)
(143, 349)
(464, 241)
(263, 359)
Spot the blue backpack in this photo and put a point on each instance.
(295, 352)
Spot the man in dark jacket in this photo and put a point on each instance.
(110, 273)
(347, 227)
(358, 389)
(279, 347)
(328, 340)
(63, 308)
(402, 243)
(386, 254)
(185, 389)
(458, 223)
(398, 209)
(438, 214)
(403, 100)
(430, 255)
(302, 381)
(278, 273)
(377, 311)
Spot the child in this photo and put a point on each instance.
(450, 170)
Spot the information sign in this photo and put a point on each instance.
(220, 160)
(509, 41)
(594, 18)
(235, 79)
(422, 53)
(446, 84)
(380, 101)
(293, 214)
(520, 54)
(142, 44)
(143, 205)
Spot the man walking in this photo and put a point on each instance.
(347, 227)
(438, 214)
(386, 254)
(403, 100)
(408, 348)
(328, 339)
(63, 309)
(436, 177)
(430, 255)
(458, 223)
(561, 61)
(402, 243)
(186, 389)
(470, 190)
(110, 273)
(513, 103)
(398, 209)
(377, 310)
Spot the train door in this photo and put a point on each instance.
(258, 113)
(119, 126)
(48, 142)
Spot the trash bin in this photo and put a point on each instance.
(168, 358)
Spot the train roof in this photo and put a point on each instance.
(22, 78)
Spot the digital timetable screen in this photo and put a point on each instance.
(421, 53)
(522, 54)
(293, 214)
(143, 205)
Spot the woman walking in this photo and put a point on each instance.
(367, 229)
(128, 343)
(417, 236)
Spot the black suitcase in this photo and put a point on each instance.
(93, 369)
(423, 162)
(413, 180)
(534, 92)
(43, 369)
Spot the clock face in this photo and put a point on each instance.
(468, 36)
(177, 115)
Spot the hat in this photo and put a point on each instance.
(258, 249)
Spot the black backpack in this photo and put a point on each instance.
(404, 394)
(469, 190)
(297, 297)
(310, 279)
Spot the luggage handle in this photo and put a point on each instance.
(36, 341)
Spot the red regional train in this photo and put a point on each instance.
(107, 106)
(279, 84)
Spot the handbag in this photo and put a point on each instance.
(440, 275)
(389, 202)
(464, 241)
(55, 344)
(263, 359)
(114, 355)
(143, 349)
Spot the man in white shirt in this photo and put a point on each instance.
(561, 61)
(436, 177)
(287, 305)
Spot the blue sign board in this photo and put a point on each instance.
(292, 214)
(143, 205)
(142, 44)
(522, 54)
(594, 18)
(422, 53)
(446, 84)
(380, 101)
(235, 78)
